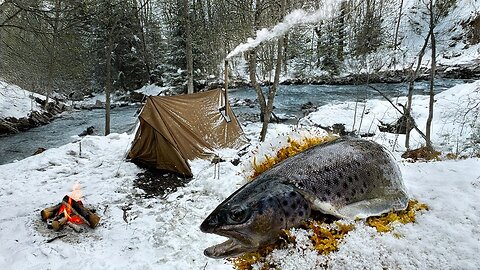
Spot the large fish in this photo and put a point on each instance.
(348, 178)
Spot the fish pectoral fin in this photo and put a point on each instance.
(229, 248)
(320, 206)
(371, 207)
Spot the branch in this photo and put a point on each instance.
(10, 17)
(402, 113)
(388, 99)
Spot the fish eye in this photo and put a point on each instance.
(237, 215)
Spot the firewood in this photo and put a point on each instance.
(50, 212)
(55, 218)
(58, 224)
(90, 218)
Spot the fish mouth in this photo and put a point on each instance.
(236, 244)
(230, 248)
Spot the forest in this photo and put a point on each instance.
(79, 47)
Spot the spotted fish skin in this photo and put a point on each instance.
(345, 173)
(348, 178)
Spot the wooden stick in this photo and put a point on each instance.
(90, 218)
(56, 237)
(50, 212)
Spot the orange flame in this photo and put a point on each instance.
(67, 209)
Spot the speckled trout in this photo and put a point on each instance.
(349, 178)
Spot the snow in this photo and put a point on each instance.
(449, 28)
(152, 90)
(17, 102)
(163, 232)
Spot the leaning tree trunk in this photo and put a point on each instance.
(272, 91)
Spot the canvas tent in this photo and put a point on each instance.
(176, 129)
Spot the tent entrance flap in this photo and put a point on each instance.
(176, 129)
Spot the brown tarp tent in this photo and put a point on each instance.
(176, 129)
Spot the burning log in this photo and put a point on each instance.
(50, 212)
(87, 216)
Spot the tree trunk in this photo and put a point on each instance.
(252, 63)
(108, 83)
(252, 69)
(413, 77)
(432, 78)
(273, 90)
(53, 55)
(341, 30)
(395, 40)
(286, 44)
(188, 46)
(142, 17)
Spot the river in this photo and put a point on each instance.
(288, 102)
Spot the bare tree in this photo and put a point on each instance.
(411, 81)
(433, 63)
(273, 89)
(252, 67)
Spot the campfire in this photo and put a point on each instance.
(71, 212)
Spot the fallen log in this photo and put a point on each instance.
(87, 216)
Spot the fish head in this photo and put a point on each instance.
(249, 218)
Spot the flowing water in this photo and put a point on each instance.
(288, 103)
(64, 130)
(290, 98)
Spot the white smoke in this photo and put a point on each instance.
(295, 18)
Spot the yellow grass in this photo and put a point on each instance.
(384, 222)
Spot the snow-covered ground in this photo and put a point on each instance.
(17, 102)
(163, 233)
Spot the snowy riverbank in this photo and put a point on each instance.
(21, 109)
(163, 233)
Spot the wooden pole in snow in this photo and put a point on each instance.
(226, 83)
